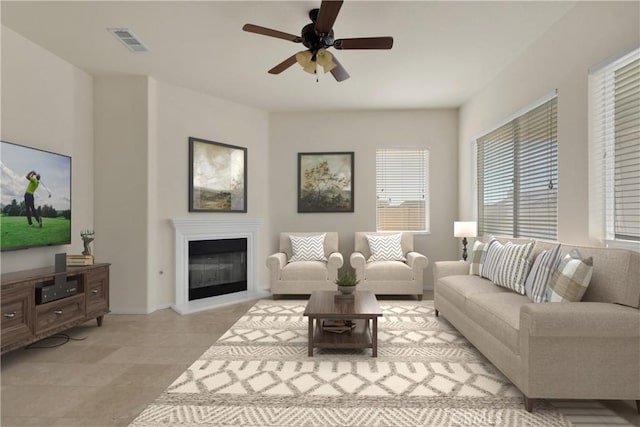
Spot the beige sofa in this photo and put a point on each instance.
(389, 277)
(303, 277)
(577, 350)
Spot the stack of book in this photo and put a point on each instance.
(338, 326)
(79, 260)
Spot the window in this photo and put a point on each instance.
(614, 149)
(517, 175)
(402, 189)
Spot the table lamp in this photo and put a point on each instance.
(465, 229)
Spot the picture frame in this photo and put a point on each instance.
(325, 182)
(217, 177)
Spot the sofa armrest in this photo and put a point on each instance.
(579, 319)
(581, 350)
(449, 268)
(417, 260)
(277, 261)
(358, 263)
(334, 262)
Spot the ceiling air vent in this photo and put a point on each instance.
(129, 39)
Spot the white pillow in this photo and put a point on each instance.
(492, 259)
(385, 248)
(307, 248)
(514, 266)
(538, 279)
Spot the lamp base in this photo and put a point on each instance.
(464, 248)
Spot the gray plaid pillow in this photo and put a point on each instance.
(570, 281)
(478, 254)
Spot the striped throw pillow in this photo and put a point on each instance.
(538, 279)
(492, 259)
(477, 257)
(514, 266)
(307, 248)
(570, 280)
(385, 248)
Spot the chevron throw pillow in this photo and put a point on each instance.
(307, 248)
(385, 248)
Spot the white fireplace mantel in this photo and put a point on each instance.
(187, 230)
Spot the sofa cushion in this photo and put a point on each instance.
(307, 248)
(538, 279)
(305, 270)
(493, 259)
(385, 248)
(570, 280)
(514, 266)
(388, 270)
(477, 257)
(458, 288)
(498, 314)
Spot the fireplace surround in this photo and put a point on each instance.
(193, 230)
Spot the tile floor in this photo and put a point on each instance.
(108, 377)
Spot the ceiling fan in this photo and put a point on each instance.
(317, 37)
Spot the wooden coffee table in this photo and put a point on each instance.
(363, 310)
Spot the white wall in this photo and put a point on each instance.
(47, 104)
(142, 177)
(589, 34)
(121, 194)
(181, 113)
(362, 133)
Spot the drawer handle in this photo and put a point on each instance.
(94, 291)
(10, 315)
(58, 312)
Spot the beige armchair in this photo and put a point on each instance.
(303, 277)
(389, 277)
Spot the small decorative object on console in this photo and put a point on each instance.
(87, 238)
(78, 260)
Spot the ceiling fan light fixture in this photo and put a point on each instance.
(305, 59)
(325, 59)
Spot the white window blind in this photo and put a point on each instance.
(614, 152)
(517, 175)
(402, 189)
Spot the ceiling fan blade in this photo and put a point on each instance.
(364, 43)
(327, 15)
(271, 33)
(283, 65)
(338, 71)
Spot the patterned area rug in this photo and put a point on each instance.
(426, 374)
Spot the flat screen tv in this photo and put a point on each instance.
(35, 197)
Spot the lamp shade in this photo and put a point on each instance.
(305, 59)
(325, 59)
(465, 229)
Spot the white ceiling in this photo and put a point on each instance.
(444, 51)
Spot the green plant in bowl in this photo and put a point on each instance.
(347, 283)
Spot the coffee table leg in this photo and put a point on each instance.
(374, 337)
(310, 339)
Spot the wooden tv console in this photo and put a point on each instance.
(23, 321)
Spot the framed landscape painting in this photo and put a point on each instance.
(325, 182)
(217, 177)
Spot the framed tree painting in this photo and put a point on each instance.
(325, 182)
(217, 177)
